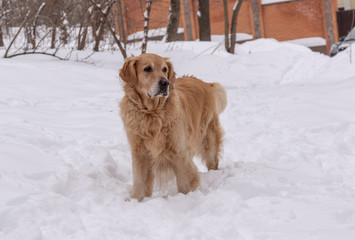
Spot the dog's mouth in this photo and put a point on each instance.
(159, 90)
(162, 93)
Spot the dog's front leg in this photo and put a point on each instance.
(187, 177)
(143, 177)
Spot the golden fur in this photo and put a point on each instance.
(166, 131)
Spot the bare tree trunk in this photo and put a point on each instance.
(112, 30)
(173, 22)
(226, 25)
(34, 36)
(121, 27)
(98, 37)
(54, 8)
(34, 26)
(329, 22)
(54, 33)
(1, 38)
(82, 38)
(146, 16)
(204, 20)
(230, 39)
(78, 38)
(84, 24)
(236, 9)
(3, 12)
(187, 15)
(64, 35)
(29, 38)
(256, 18)
(97, 29)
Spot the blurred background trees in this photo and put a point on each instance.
(41, 25)
(50, 26)
(47, 26)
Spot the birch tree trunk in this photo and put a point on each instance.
(3, 13)
(146, 16)
(226, 25)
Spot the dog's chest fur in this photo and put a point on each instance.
(154, 127)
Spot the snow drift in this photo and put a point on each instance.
(288, 169)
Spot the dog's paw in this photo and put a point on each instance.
(138, 197)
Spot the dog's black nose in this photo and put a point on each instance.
(164, 82)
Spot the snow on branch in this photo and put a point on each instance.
(40, 9)
(4, 12)
(235, 5)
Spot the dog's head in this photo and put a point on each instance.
(151, 75)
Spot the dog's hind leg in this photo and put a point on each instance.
(212, 144)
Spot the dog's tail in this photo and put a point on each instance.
(221, 97)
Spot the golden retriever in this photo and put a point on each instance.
(168, 121)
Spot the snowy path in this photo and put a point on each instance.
(288, 169)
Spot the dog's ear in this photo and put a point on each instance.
(171, 73)
(128, 72)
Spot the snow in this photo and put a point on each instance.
(235, 5)
(239, 37)
(145, 14)
(266, 2)
(309, 42)
(152, 33)
(287, 171)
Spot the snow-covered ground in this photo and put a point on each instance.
(288, 168)
(309, 42)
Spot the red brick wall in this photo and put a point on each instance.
(244, 24)
(295, 19)
(160, 12)
(134, 10)
(282, 21)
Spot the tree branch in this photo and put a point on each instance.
(16, 35)
(41, 53)
(112, 30)
(3, 13)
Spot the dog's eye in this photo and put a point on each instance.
(148, 69)
(165, 69)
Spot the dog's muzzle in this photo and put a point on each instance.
(160, 89)
(163, 87)
(164, 84)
